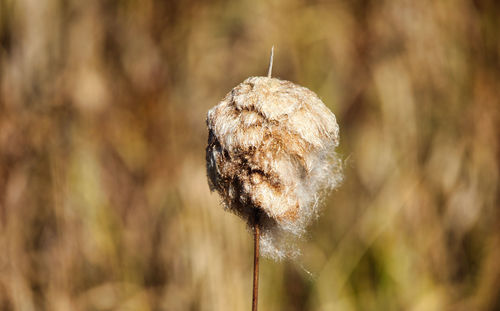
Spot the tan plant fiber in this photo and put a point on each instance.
(271, 156)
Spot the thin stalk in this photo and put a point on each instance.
(256, 229)
(255, 296)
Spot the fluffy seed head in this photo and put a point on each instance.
(271, 155)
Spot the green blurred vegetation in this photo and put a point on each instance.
(104, 203)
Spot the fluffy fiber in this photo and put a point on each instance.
(271, 155)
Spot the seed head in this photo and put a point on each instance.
(271, 156)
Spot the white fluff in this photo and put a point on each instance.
(271, 152)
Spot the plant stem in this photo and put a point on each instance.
(256, 230)
(255, 296)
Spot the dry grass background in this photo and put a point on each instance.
(104, 203)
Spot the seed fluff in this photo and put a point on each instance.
(271, 157)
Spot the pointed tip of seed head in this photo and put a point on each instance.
(270, 70)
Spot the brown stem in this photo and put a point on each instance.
(255, 296)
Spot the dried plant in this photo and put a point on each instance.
(104, 202)
(271, 155)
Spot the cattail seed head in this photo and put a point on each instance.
(271, 156)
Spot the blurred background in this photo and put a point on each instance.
(104, 203)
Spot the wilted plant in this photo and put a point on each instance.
(270, 155)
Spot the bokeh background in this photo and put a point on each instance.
(104, 203)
